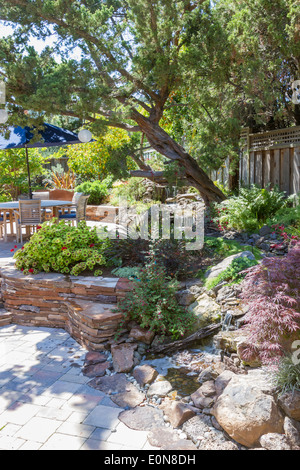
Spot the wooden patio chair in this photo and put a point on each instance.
(29, 215)
(61, 195)
(3, 222)
(43, 196)
(78, 213)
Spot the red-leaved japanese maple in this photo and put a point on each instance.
(272, 292)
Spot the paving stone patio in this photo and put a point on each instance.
(45, 402)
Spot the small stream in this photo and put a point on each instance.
(182, 369)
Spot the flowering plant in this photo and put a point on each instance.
(153, 303)
(290, 236)
(62, 248)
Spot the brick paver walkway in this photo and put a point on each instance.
(45, 401)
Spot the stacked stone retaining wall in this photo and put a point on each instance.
(86, 307)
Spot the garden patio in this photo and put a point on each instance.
(150, 225)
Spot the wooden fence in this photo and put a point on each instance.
(268, 159)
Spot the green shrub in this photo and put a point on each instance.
(223, 248)
(133, 190)
(62, 248)
(287, 376)
(127, 271)
(250, 209)
(233, 274)
(98, 190)
(5, 197)
(287, 216)
(153, 304)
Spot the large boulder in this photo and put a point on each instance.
(292, 432)
(207, 311)
(216, 270)
(290, 403)
(247, 410)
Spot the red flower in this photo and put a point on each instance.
(38, 227)
(12, 250)
(15, 246)
(30, 270)
(64, 248)
(92, 244)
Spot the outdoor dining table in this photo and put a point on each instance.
(10, 207)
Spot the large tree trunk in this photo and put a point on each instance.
(165, 145)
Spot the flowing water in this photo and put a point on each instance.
(182, 369)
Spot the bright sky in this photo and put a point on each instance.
(38, 44)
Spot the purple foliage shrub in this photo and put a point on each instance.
(272, 291)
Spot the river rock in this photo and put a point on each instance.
(205, 396)
(182, 444)
(185, 297)
(208, 389)
(96, 370)
(94, 357)
(197, 426)
(130, 397)
(123, 356)
(141, 334)
(222, 381)
(290, 403)
(160, 437)
(274, 441)
(246, 409)
(265, 230)
(110, 383)
(144, 374)
(161, 388)
(208, 374)
(200, 429)
(145, 418)
(177, 412)
(216, 440)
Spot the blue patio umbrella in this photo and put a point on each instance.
(23, 137)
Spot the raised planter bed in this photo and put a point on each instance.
(106, 214)
(83, 306)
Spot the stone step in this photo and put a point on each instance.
(93, 324)
(5, 317)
